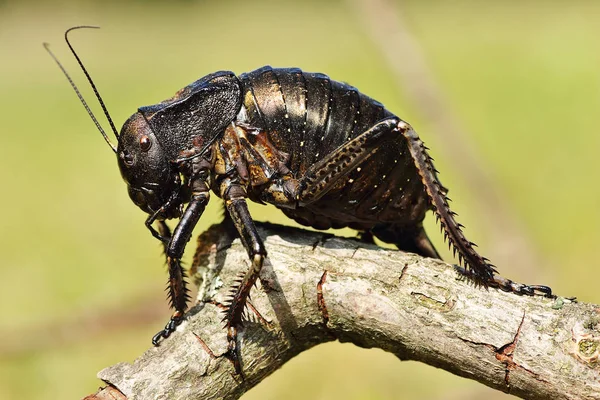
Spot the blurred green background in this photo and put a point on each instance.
(82, 279)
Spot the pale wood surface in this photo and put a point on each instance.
(416, 308)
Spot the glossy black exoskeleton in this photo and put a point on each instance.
(325, 154)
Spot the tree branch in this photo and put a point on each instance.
(317, 288)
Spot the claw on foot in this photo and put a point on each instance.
(232, 350)
(506, 285)
(169, 328)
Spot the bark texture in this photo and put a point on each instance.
(316, 288)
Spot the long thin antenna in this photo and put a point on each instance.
(81, 99)
(89, 78)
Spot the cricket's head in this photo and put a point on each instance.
(151, 179)
(153, 184)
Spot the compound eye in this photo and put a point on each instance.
(145, 143)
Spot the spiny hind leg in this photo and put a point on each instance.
(325, 174)
(412, 239)
(481, 271)
(477, 268)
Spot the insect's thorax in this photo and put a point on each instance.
(246, 153)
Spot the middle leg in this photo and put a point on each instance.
(235, 202)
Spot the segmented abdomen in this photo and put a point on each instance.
(306, 114)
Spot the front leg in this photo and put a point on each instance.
(178, 292)
(165, 235)
(235, 201)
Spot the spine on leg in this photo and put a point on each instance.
(483, 271)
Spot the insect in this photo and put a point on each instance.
(325, 154)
